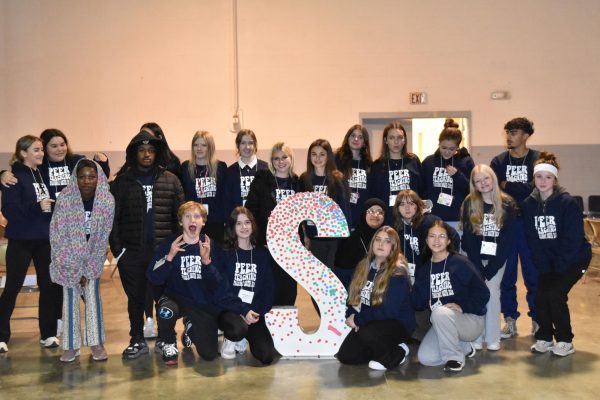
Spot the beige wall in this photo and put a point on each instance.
(98, 69)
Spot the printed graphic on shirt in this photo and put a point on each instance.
(489, 227)
(413, 241)
(546, 226)
(516, 173)
(399, 180)
(206, 187)
(191, 267)
(441, 285)
(441, 179)
(365, 293)
(245, 275)
(282, 194)
(320, 189)
(245, 182)
(88, 223)
(358, 180)
(148, 192)
(41, 191)
(59, 176)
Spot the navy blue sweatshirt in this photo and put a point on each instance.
(554, 232)
(58, 174)
(412, 239)
(237, 183)
(359, 188)
(402, 174)
(437, 181)
(206, 190)
(20, 205)
(250, 271)
(396, 303)
(459, 282)
(187, 278)
(319, 184)
(516, 172)
(503, 237)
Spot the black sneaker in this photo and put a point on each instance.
(472, 352)
(158, 346)
(453, 366)
(186, 341)
(136, 348)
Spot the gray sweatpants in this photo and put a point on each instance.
(449, 337)
(491, 332)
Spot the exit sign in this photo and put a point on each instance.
(417, 98)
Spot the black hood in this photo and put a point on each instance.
(139, 139)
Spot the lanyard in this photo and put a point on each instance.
(524, 158)
(389, 169)
(237, 260)
(412, 251)
(442, 166)
(430, 270)
(65, 164)
(43, 189)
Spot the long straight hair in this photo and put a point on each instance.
(474, 201)
(387, 269)
(212, 161)
(385, 149)
(345, 152)
(334, 177)
(231, 239)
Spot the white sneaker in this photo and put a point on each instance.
(477, 345)
(510, 329)
(49, 342)
(493, 346)
(149, 331)
(376, 366)
(542, 346)
(563, 349)
(240, 347)
(59, 327)
(3, 347)
(228, 349)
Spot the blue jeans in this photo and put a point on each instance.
(508, 296)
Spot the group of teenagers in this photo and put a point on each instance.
(191, 238)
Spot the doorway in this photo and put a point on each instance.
(422, 129)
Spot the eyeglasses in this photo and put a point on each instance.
(442, 236)
(375, 212)
(406, 203)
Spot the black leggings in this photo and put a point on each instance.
(375, 340)
(19, 254)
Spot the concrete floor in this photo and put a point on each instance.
(512, 373)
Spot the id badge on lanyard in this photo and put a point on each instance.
(488, 248)
(435, 305)
(246, 296)
(411, 272)
(445, 199)
(392, 200)
(354, 197)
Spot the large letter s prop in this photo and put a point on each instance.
(318, 280)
